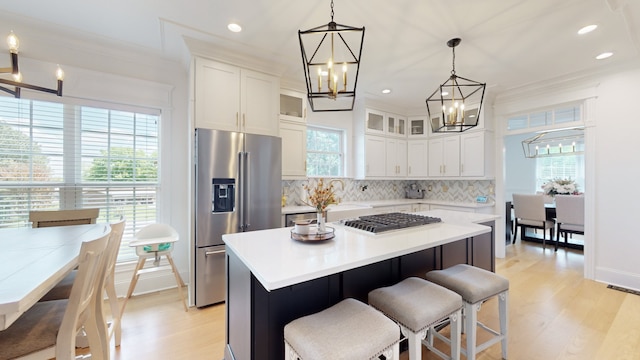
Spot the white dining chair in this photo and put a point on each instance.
(569, 215)
(62, 290)
(48, 329)
(153, 242)
(530, 213)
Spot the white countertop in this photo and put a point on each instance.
(295, 209)
(459, 217)
(278, 261)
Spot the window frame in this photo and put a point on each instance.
(340, 153)
(71, 190)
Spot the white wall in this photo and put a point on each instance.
(617, 173)
(520, 176)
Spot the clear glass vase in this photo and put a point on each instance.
(321, 222)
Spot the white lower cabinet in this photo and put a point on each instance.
(294, 149)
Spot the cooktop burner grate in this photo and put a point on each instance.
(392, 221)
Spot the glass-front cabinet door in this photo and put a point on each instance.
(375, 122)
(396, 125)
(417, 126)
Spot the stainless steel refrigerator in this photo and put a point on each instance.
(238, 185)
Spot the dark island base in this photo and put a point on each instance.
(256, 317)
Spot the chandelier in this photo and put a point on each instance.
(331, 59)
(556, 142)
(446, 106)
(17, 83)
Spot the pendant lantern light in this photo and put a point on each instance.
(331, 59)
(448, 105)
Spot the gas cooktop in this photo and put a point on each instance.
(391, 221)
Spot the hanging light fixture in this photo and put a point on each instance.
(446, 106)
(556, 142)
(331, 59)
(17, 83)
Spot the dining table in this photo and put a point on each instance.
(34, 260)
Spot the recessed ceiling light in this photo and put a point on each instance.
(604, 55)
(444, 93)
(234, 27)
(386, 91)
(587, 29)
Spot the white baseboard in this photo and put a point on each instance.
(618, 278)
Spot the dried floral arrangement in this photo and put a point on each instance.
(320, 196)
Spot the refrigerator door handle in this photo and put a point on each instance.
(247, 179)
(241, 186)
(214, 252)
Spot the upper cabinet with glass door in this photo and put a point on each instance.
(375, 122)
(293, 106)
(396, 125)
(417, 126)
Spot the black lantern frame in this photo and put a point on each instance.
(15, 71)
(446, 105)
(325, 48)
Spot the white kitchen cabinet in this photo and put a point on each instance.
(417, 126)
(235, 99)
(396, 125)
(472, 154)
(444, 156)
(396, 157)
(452, 208)
(294, 149)
(293, 106)
(403, 208)
(375, 122)
(375, 156)
(388, 124)
(417, 159)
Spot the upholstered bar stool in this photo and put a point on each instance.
(349, 329)
(417, 306)
(476, 285)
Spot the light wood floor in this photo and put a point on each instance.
(553, 314)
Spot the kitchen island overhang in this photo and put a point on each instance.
(272, 279)
(278, 261)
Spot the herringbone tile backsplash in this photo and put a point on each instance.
(369, 190)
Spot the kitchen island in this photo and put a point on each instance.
(272, 279)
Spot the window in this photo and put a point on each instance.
(63, 156)
(325, 155)
(560, 167)
(566, 114)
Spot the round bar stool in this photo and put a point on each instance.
(349, 329)
(476, 285)
(417, 306)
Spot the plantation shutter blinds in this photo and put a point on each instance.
(64, 156)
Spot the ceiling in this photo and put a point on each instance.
(505, 43)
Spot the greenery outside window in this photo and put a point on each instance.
(325, 154)
(64, 156)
